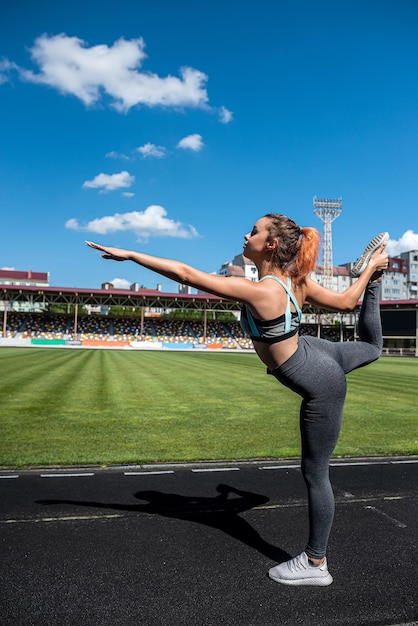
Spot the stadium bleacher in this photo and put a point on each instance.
(222, 334)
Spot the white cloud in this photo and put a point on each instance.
(5, 67)
(127, 194)
(110, 182)
(191, 142)
(151, 150)
(12, 269)
(116, 155)
(69, 65)
(72, 224)
(149, 223)
(121, 283)
(408, 241)
(225, 116)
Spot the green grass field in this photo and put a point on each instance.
(61, 406)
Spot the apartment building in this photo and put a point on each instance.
(25, 278)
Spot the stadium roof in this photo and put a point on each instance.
(115, 297)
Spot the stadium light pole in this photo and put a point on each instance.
(327, 210)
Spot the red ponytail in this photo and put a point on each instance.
(306, 259)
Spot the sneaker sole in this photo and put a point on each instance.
(361, 263)
(312, 582)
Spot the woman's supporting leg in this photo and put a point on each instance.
(320, 424)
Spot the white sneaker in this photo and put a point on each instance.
(299, 571)
(361, 263)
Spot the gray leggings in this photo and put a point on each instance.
(316, 371)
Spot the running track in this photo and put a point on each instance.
(190, 545)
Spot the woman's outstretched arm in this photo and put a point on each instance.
(226, 287)
(346, 301)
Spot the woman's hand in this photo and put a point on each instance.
(379, 259)
(114, 254)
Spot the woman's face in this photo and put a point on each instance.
(256, 241)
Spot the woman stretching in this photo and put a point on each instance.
(285, 254)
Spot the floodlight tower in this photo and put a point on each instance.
(327, 210)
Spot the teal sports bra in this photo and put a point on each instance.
(278, 329)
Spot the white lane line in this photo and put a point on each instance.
(67, 475)
(405, 461)
(9, 476)
(349, 463)
(276, 467)
(351, 500)
(74, 518)
(148, 473)
(393, 497)
(386, 516)
(216, 469)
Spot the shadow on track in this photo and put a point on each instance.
(219, 512)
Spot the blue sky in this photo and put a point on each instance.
(171, 127)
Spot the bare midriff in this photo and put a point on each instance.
(275, 354)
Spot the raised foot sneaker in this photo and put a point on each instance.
(299, 571)
(361, 263)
